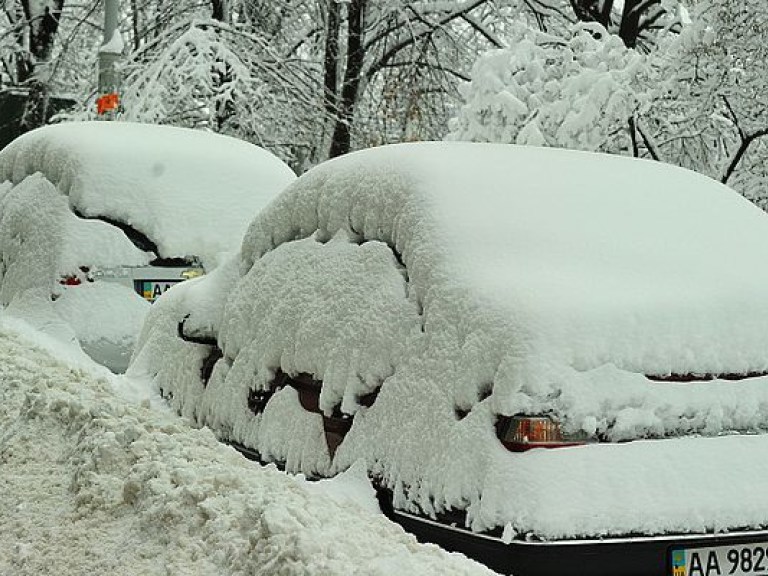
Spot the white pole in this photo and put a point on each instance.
(109, 55)
(110, 19)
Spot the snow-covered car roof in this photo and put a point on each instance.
(451, 284)
(191, 192)
(580, 258)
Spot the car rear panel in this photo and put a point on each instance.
(646, 487)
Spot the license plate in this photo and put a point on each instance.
(734, 560)
(151, 289)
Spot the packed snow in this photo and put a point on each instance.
(96, 480)
(114, 45)
(472, 280)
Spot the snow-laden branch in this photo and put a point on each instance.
(461, 9)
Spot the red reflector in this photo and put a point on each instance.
(70, 281)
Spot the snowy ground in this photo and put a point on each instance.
(96, 477)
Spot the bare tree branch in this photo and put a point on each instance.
(374, 68)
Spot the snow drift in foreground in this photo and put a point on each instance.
(467, 281)
(92, 483)
(193, 193)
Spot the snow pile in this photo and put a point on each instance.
(106, 318)
(530, 282)
(546, 91)
(193, 193)
(94, 484)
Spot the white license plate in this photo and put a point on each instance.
(151, 289)
(733, 560)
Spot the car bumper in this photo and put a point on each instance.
(632, 556)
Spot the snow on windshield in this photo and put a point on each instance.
(193, 193)
(538, 281)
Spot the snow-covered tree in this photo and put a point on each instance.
(32, 25)
(711, 113)
(580, 92)
(209, 74)
(401, 61)
(311, 78)
(697, 99)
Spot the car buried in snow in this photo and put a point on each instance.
(544, 358)
(99, 218)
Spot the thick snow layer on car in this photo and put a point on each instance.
(677, 486)
(192, 193)
(591, 258)
(524, 270)
(42, 240)
(93, 483)
(41, 243)
(161, 355)
(516, 280)
(326, 329)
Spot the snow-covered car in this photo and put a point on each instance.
(546, 359)
(102, 217)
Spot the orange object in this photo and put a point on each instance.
(107, 103)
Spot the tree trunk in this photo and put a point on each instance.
(629, 29)
(22, 59)
(225, 111)
(593, 11)
(331, 59)
(637, 16)
(42, 33)
(341, 139)
(135, 25)
(220, 10)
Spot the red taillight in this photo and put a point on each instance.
(70, 281)
(521, 433)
